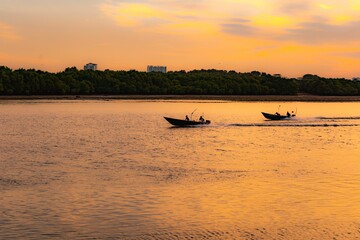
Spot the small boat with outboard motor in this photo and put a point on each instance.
(187, 121)
(184, 123)
(278, 116)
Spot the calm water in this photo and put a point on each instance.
(117, 170)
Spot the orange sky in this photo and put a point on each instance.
(276, 36)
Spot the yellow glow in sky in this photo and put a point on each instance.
(131, 15)
(277, 36)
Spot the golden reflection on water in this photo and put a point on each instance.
(86, 169)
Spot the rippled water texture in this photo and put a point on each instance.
(118, 170)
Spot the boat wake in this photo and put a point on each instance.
(294, 125)
(338, 118)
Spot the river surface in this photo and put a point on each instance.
(118, 170)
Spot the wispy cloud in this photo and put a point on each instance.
(238, 29)
(270, 19)
(159, 16)
(294, 7)
(355, 54)
(8, 33)
(134, 14)
(322, 32)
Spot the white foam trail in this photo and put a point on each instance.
(339, 118)
(294, 125)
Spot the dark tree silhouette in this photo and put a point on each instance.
(213, 82)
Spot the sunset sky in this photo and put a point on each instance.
(275, 36)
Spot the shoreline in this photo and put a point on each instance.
(240, 98)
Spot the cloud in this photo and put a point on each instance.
(355, 54)
(294, 7)
(319, 32)
(237, 29)
(134, 14)
(239, 20)
(189, 4)
(147, 16)
(8, 33)
(307, 21)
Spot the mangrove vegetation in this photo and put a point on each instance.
(72, 81)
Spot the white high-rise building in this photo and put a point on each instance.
(156, 69)
(90, 66)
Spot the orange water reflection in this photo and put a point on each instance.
(118, 170)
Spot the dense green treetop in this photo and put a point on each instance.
(202, 82)
(329, 86)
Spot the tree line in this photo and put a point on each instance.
(72, 81)
(314, 84)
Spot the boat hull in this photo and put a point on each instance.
(275, 116)
(184, 123)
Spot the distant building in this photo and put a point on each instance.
(156, 69)
(90, 66)
(356, 79)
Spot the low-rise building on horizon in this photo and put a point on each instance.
(151, 68)
(90, 66)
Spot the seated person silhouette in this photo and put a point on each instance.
(187, 118)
